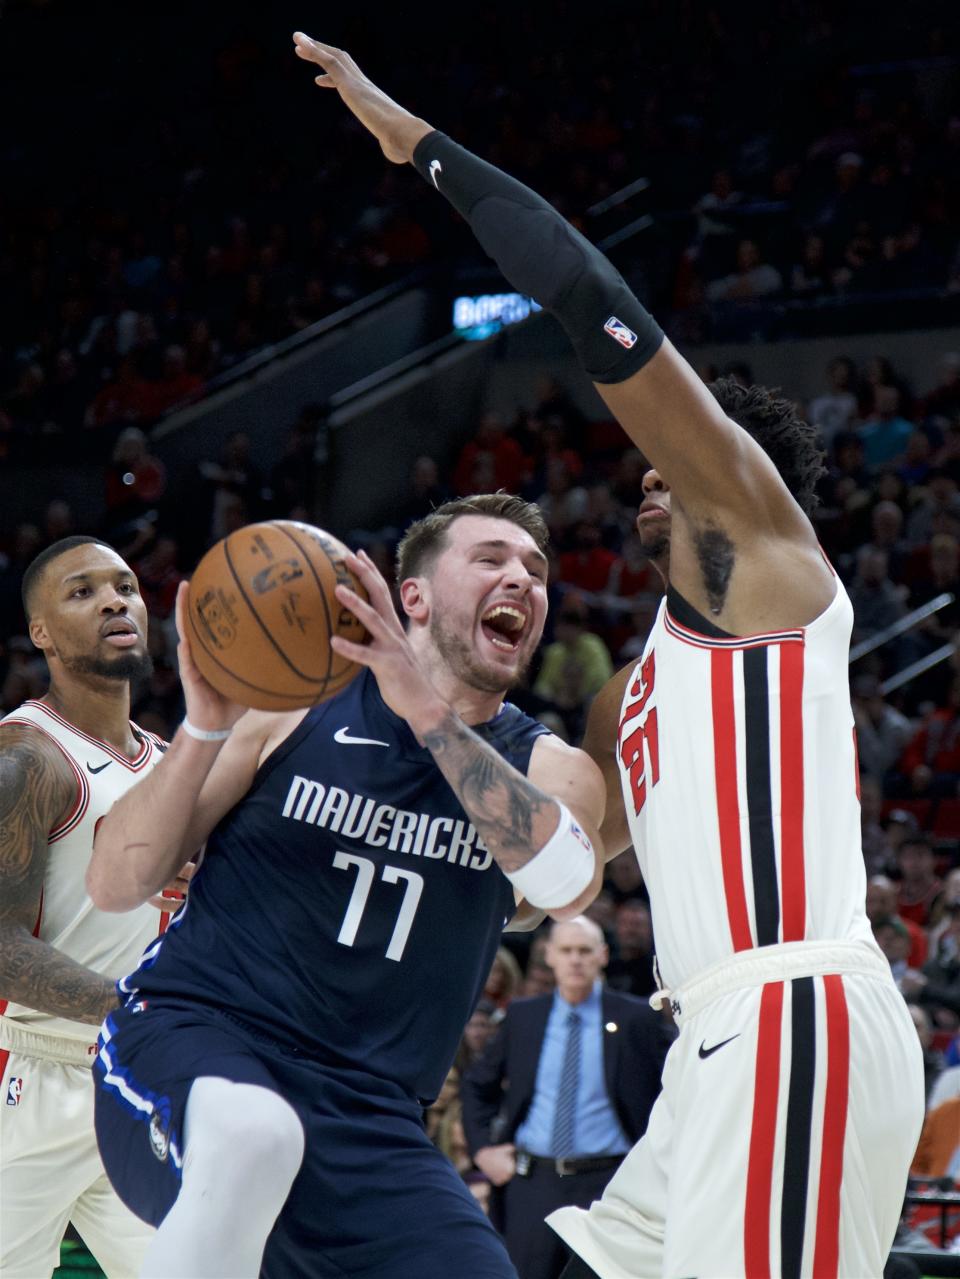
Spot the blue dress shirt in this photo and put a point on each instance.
(598, 1130)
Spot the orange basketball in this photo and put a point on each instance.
(261, 612)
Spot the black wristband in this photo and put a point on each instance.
(542, 255)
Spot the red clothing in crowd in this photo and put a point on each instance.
(587, 570)
(937, 744)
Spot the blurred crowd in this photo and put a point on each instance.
(240, 211)
(245, 208)
(889, 520)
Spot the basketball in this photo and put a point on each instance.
(261, 610)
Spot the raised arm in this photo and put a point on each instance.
(732, 504)
(600, 743)
(708, 461)
(555, 811)
(162, 821)
(37, 791)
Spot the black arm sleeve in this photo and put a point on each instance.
(542, 255)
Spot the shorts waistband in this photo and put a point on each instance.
(34, 1043)
(772, 963)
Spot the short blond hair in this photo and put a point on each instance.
(424, 540)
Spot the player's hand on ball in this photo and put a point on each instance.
(206, 708)
(404, 685)
(397, 131)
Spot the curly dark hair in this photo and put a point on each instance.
(791, 444)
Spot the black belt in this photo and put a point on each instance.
(565, 1167)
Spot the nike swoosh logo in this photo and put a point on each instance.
(100, 768)
(342, 735)
(435, 168)
(708, 1052)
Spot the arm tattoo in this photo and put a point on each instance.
(34, 793)
(512, 816)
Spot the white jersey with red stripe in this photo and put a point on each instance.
(110, 944)
(739, 771)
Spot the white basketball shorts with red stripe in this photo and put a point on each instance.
(791, 1108)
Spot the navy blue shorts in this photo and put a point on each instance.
(374, 1199)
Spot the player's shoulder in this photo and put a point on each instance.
(555, 764)
(32, 763)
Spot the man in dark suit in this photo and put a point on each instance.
(561, 1093)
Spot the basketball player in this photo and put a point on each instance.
(793, 1097)
(63, 761)
(260, 1093)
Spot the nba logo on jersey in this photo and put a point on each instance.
(620, 333)
(14, 1091)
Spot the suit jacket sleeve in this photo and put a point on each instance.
(648, 1040)
(481, 1089)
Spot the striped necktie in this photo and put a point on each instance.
(564, 1118)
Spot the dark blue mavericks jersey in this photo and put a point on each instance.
(346, 907)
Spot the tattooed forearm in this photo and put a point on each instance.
(36, 975)
(36, 791)
(512, 816)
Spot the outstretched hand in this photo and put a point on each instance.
(397, 131)
(404, 684)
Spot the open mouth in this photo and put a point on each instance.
(504, 625)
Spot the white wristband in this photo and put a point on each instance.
(562, 869)
(205, 734)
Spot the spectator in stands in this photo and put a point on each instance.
(27, 543)
(539, 979)
(937, 986)
(892, 937)
(753, 278)
(293, 478)
(877, 601)
(135, 480)
(885, 431)
(932, 1060)
(176, 385)
(886, 527)
(919, 883)
(877, 850)
(503, 980)
(606, 1046)
(944, 400)
(931, 761)
(476, 1034)
(836, 409)
(631, 965)
(942, 576)
(587, 565)
(126, 399)
(938, 1152)
(575, 666)
(811, 275)
(936, 511)
(501, 450)
(882, 731)
(233, 487)
(883, 904)
(563, 502)
(426, 491)
(917, 460)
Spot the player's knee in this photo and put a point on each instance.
(245, 1129)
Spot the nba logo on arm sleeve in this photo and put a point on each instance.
(620, 333)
